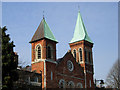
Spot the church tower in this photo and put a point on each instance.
(81, 48)
(44, 53)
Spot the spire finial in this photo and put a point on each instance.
(43, 14)
(78, 8)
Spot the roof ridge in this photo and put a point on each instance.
(43, 31)
(44, 26)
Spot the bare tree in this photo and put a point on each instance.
(113, 78)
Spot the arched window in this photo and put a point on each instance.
(49, 52)
(74, 54)
(61, 83)
(90, 57)
(80, 54)
(86, 58)
(79, 85)
(71, 84)
(38, 52)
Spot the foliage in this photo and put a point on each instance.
(113, 78)
(9, 62)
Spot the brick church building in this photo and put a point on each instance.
(74, 70)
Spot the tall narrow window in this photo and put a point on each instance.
(39, 52)
(90, 83)
(51, 75)
(74, 52)
(49, 52)
(90, 57)
(80, 54)
(85, 55)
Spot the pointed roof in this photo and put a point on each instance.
(80, 32)
(43, 31)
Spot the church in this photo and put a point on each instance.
(74, 69)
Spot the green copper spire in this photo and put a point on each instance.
(47, 32)
(43, 31)
(80, 32)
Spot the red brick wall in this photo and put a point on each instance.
(37, 67)
(40, 65)
(61, 71)
(44, 43)
(89, 77)
(84, 44)
(50, 67)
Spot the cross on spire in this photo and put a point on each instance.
(43, 14)
(78, 8)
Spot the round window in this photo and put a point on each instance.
(70, 65)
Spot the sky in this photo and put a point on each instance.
(60, 0)
(100, 19)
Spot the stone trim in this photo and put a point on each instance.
(36, 52)
(51, 61)
(39, 60)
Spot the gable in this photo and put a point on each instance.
(63, 67)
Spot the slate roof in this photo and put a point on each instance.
(80, 32)
(43, 31)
